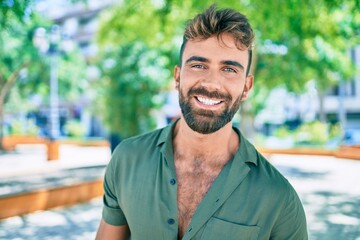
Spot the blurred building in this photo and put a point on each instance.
(344, 99)
(341, 105)
(78, 23)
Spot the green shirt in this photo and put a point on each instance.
(249, 199)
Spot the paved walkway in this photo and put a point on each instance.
(328, 187)
(31, 159)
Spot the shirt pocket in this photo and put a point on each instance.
(217, 229)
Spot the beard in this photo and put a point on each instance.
(207, 121)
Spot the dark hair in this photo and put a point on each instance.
(216, 22)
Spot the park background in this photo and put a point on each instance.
(90, 73)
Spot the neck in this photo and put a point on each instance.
(224, 142)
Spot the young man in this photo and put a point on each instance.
(199, 178)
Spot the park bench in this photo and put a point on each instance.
(9, 143)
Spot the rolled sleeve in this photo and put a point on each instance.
(112, 215)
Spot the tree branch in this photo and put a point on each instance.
(10, 82)
(2, 81)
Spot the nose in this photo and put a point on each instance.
(212, 80)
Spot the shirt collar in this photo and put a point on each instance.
(245, 153)
(166, 133)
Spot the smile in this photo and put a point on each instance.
(207, 101)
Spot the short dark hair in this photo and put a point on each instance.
(216, 22)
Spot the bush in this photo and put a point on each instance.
(74, 128)
(23, 127)
(311, 133)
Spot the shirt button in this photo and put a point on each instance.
(172, 181)
(171, 221)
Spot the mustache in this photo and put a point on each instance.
(210, 94)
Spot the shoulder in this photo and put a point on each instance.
(266, 175)
(138, 144)
(135, 149)
(275, 186)
(272, 178)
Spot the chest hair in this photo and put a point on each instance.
(194, 177)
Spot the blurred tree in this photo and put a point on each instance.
(16, 49)
(297, 41)
(23, 65)
(131, 77)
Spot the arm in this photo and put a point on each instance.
(292, 222)
(110, 232)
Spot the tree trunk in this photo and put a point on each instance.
(247, 122)
(1, 124)
(4, 91)
(322, 115)
(341, 109)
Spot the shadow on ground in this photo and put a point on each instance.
(79, 222)
(332, 216)
(67, 177)
(295, 172)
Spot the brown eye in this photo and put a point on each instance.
(198, 66)
(229, 70)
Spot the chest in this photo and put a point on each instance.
(194, 181)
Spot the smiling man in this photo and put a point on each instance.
(199, 178)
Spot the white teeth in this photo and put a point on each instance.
(207, 101)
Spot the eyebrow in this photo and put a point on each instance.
(197, 59)
(225, 62)
(233, 63)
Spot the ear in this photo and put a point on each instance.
(177, 76)
(248, 86)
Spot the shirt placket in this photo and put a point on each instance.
(170, 191)
(228, 180)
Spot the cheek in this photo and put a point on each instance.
(235, 89)
(193, 74)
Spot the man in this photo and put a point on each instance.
(199, 178)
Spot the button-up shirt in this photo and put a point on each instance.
(249, 199)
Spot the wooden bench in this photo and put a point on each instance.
(298, 151)
(49, 198)
(349, 152)
(10, 142)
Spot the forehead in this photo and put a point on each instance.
(215, 49)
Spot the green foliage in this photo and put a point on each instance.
(28, 128)
(133, 76)
(74, 128)
(16, 49)
(311, 133)
(16, 46)
(24, 71)
(13, 9)
(316, 35)
(314, 132)
(282, 132)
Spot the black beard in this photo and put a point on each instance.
(207, 121)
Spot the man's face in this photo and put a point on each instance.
(212, 82)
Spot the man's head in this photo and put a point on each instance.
(216, 22)
(213, 77)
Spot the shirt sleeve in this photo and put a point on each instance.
(291, 223)
(112, 213)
